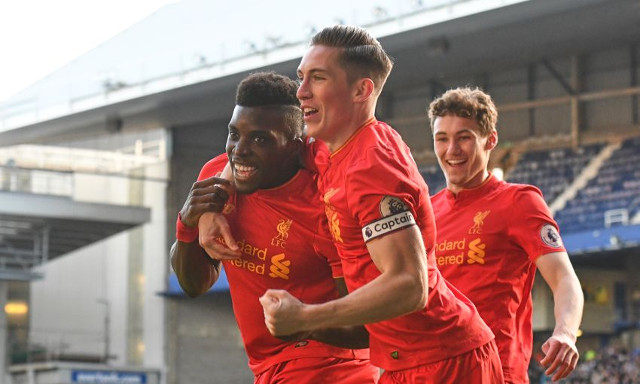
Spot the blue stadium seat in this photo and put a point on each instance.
(617, 186)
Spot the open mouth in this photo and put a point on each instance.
(455, 163)
(243, 172)
(309, 112)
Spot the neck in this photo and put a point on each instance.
(359, 118)
(335, 145)
(456, 188)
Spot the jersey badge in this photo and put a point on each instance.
(478, 222)
(550, 236)
(395, 215)
(280, 240)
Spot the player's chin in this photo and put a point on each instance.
(313, 129)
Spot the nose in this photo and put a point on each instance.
(240, 147)
(303, 92)
(453, 147)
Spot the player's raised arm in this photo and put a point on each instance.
(195, 270)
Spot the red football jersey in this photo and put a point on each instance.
(371, 186)
(286, 245)
(488, 240)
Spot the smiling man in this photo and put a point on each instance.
(492, 235)
(421, 330)
(283, 238)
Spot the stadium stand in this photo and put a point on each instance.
(552, 170)
(607, 365)
(434, 177)
(611, 198)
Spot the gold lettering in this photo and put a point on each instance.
(262, 253)
(450, 259)
(451, 245)
(250, 250)
(248, 265)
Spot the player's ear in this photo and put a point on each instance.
(492, 140)
(364, 89)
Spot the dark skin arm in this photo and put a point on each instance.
(195, 270)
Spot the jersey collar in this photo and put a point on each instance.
(476, 193)
(346, 144)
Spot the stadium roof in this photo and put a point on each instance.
(190, 52)
(38, 228)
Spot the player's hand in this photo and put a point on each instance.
(561, 356)
(281, 312)
(208, 195)
(213, 226)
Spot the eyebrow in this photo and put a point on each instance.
(313, 71)
(465, 130)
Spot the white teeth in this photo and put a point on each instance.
(309, 110)
(455, 162)
(243, 168)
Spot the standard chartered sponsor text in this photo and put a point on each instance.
(453, 252)
(255, 258)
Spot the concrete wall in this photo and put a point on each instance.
(204, 342)
(117, 279)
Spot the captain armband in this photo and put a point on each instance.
(388, 224)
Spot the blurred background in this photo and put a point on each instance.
(109, 109)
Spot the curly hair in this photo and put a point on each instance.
(269, 89)
(362, 55)
(470, 103)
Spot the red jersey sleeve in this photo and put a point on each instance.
(381, 195)
(532, 224)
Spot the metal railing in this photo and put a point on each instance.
(38, 181)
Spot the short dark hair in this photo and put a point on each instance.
(269, 89)
(362, 55)
(467, 102)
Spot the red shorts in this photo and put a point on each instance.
(479, 366)
(320, 370)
